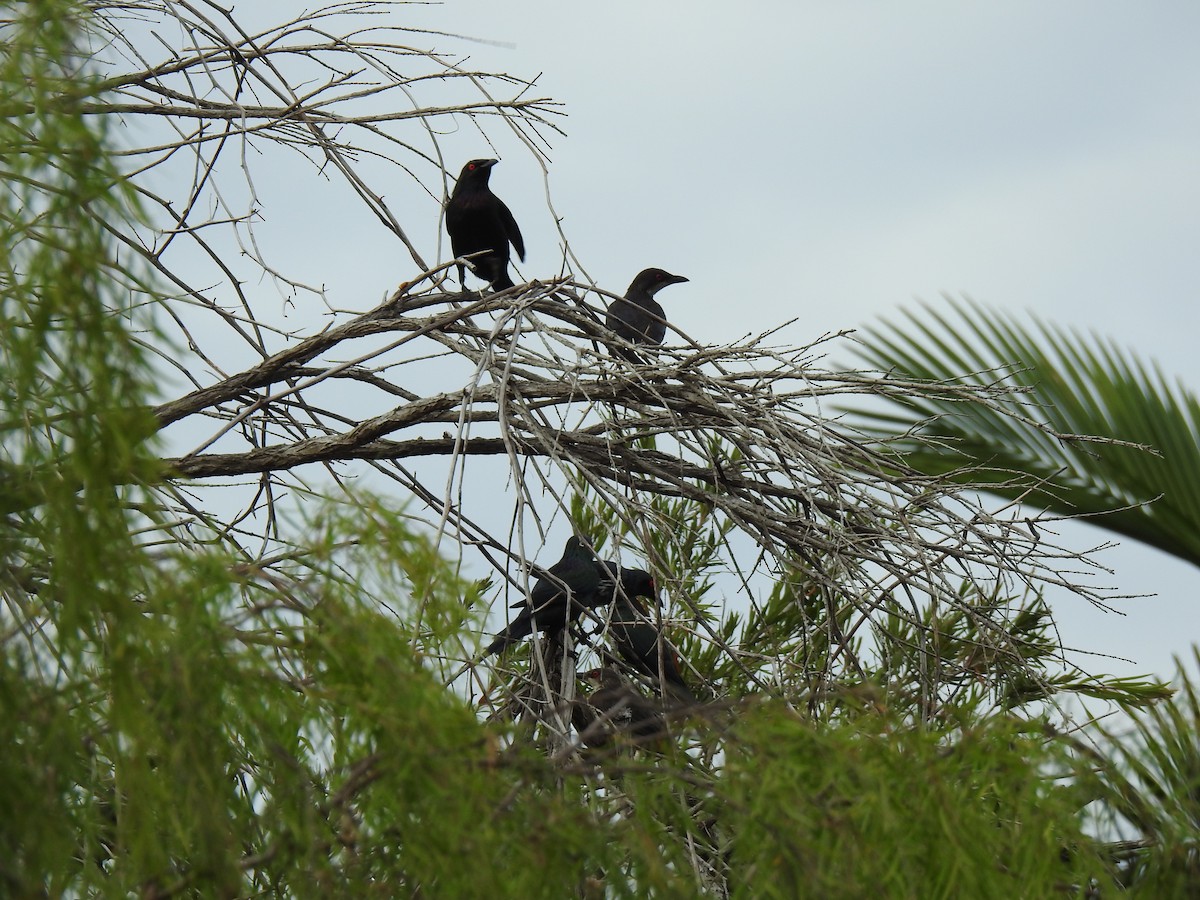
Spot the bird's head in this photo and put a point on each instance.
(477, 169)
(577, 546)
(638, 583)
(604, 677)
(651, 281)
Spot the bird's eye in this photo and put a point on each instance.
(471, 166)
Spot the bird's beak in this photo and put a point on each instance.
(488, 163)
(677, 279)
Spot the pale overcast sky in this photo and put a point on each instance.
(832, 162)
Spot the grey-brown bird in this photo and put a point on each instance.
(638, 317)
(616, 708)
(477, 220)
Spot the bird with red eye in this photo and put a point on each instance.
(615, 709)
(617, 581)
(479, 222)
(638, 317)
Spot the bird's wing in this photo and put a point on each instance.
(511, 230)
(606, 587)
(454, 215)
(656, 323)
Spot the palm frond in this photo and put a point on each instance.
(1035, 442)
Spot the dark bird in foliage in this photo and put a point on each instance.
(615, 707)
(478, 220)
(572, 585)
(638, 317)
(641, 645)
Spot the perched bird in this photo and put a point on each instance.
(613, 708)
(638, 317)
(572, 585)
(478, 220)
(642, 646)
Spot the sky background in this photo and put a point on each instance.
(835, 163)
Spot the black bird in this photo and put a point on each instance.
(550, 605)
(638, 317)
(478, 220)
(642, 646)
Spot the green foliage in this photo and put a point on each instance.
(1054, 387)
(232, 737)
(1145, 780)
(75, 380)
(873, 808)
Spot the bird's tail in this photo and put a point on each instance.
(503, 281)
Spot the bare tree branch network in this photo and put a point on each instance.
(283, 394)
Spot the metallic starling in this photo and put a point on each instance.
(638, 317)
(478, 220)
